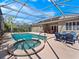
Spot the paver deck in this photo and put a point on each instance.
(52, 50)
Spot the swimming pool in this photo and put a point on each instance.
(26, 47)
(26, 43)
(30, 40)
(27, 36)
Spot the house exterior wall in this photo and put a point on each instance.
(61, 26)
(52, 25)
(37, 29)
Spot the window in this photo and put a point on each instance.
(74, 26)
(52, 28)
(66, 26)
(70, 26)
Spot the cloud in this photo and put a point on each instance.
(23, 21)
(50, 13)
(5, 10)
(4, 2)
(34, 0)
(49, 0)
(30, 11)
(53, 0)
(14, 7)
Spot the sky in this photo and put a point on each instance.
(38, 10)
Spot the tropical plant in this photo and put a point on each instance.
(13, 27)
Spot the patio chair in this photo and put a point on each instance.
(75, 36)
(64, 36)
(58, 36)
(69, 39)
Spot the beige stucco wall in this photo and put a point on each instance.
(37, 29)
(61, 26)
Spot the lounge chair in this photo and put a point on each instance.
(58, 36)
(75, 36)
(63, 36)
(71, 37)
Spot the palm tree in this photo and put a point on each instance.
(9, 23)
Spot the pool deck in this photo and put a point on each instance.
(52, 50)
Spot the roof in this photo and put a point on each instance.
(52, 19)
(56, 19)
(67, 17)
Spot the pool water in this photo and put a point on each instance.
(28, 41)
(27, 36)
(27, 44)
